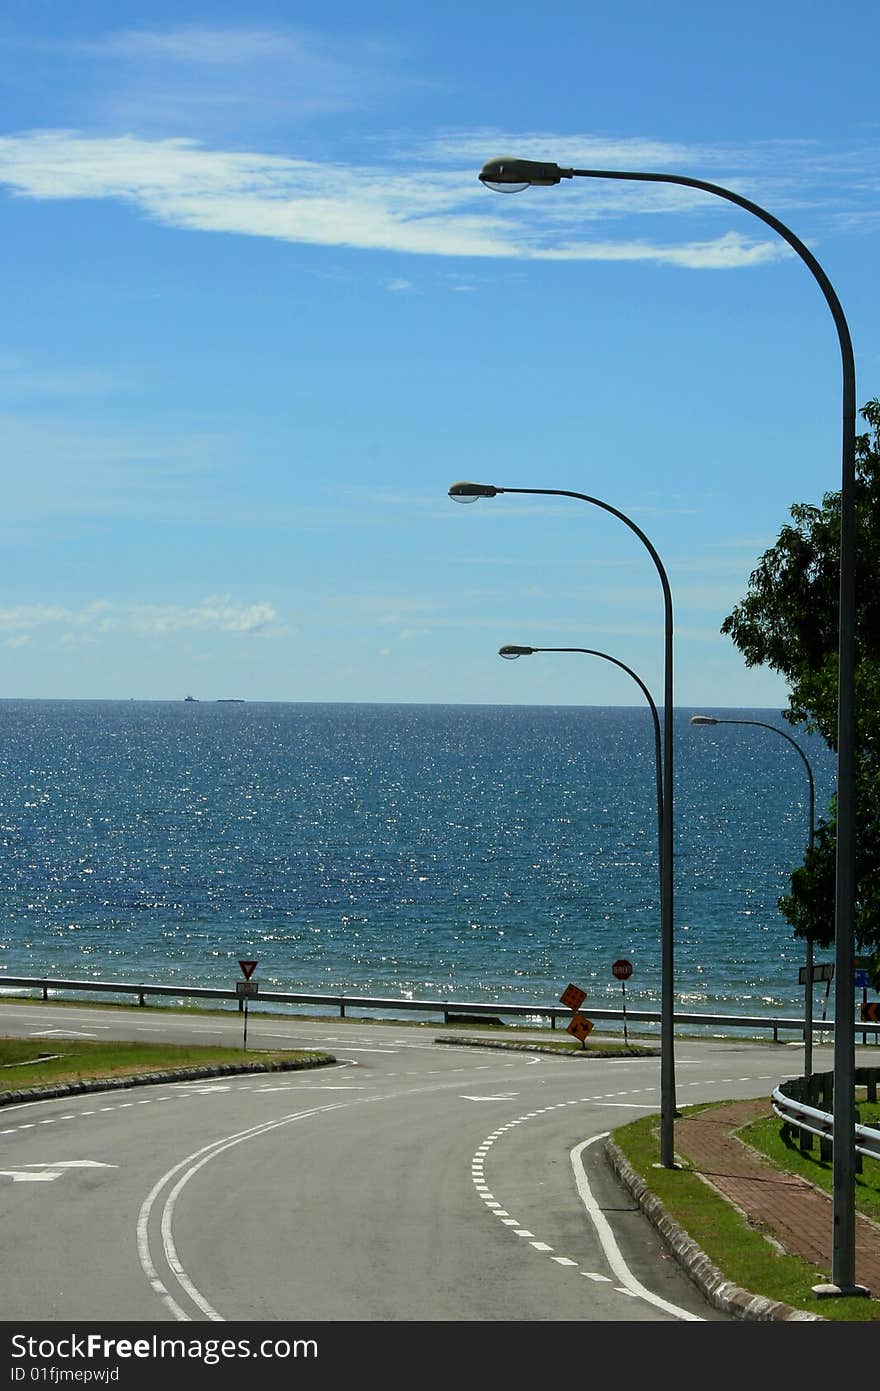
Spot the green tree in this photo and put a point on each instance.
(789, 621)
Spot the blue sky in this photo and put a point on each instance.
(260, 314)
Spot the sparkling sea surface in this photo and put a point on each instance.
(469, 853)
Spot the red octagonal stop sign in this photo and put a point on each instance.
(622, 969)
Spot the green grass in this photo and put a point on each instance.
(25, 1063)
(766, 1137)
(744, 1255)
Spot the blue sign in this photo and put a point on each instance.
(862, 980)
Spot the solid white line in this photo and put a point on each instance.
(609, 1245)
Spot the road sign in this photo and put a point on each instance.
(824, 970)
(248, 967)
(871, 1012)
(246, 987)
(573, 996)
(861, 980)
(579, 1026)
(622, 969)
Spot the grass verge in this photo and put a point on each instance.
(745, 1255)
(24, 1064)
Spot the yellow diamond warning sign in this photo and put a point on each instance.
(573, 996)
(579, 1026)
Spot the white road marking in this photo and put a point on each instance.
(202, 1157)
(65, 1033)
(73, 1164)
(504, 1096)
(18, 1176)
(609, 1245)
(47, 1171)
(629, 1285)
(312, 1087)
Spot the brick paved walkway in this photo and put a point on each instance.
(795, 1213)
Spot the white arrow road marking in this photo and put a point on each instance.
(44, 1173)
(73, 1164)
(18, 1176)
(64, 1033)
(505, 1096)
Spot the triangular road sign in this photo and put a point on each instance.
(248, 967)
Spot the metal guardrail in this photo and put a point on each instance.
(447, 1009)
(788, 1104)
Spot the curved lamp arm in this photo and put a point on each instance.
(510, 650)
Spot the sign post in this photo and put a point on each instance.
(245, 988)
(622, 970)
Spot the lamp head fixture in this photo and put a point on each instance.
(704, 719)
(511, 651)
(469, 492)
(507, 175)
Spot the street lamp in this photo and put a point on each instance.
(469, 492)
(808, 991)
(511, 175)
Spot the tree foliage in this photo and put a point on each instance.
(789, 621)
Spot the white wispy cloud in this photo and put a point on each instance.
(198, 44)
(181, 183)
(213, 614)
(196, 77)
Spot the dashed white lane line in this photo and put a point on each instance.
(628, 1285)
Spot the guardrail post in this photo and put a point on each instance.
(341, 1009)
(826, 1146)
(809, 1094)
(45, 992)
(141, 1000)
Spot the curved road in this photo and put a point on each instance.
(410, 1181)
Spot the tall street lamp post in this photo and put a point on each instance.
(511, 175)
(469, 492)
(808, 989)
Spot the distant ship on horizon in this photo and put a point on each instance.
(221, 700)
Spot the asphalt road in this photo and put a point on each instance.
(410, 1181)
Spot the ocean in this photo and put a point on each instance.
(480, 853)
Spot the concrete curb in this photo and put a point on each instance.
(553, 1052)
(143, 1079)
(721, 1293)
